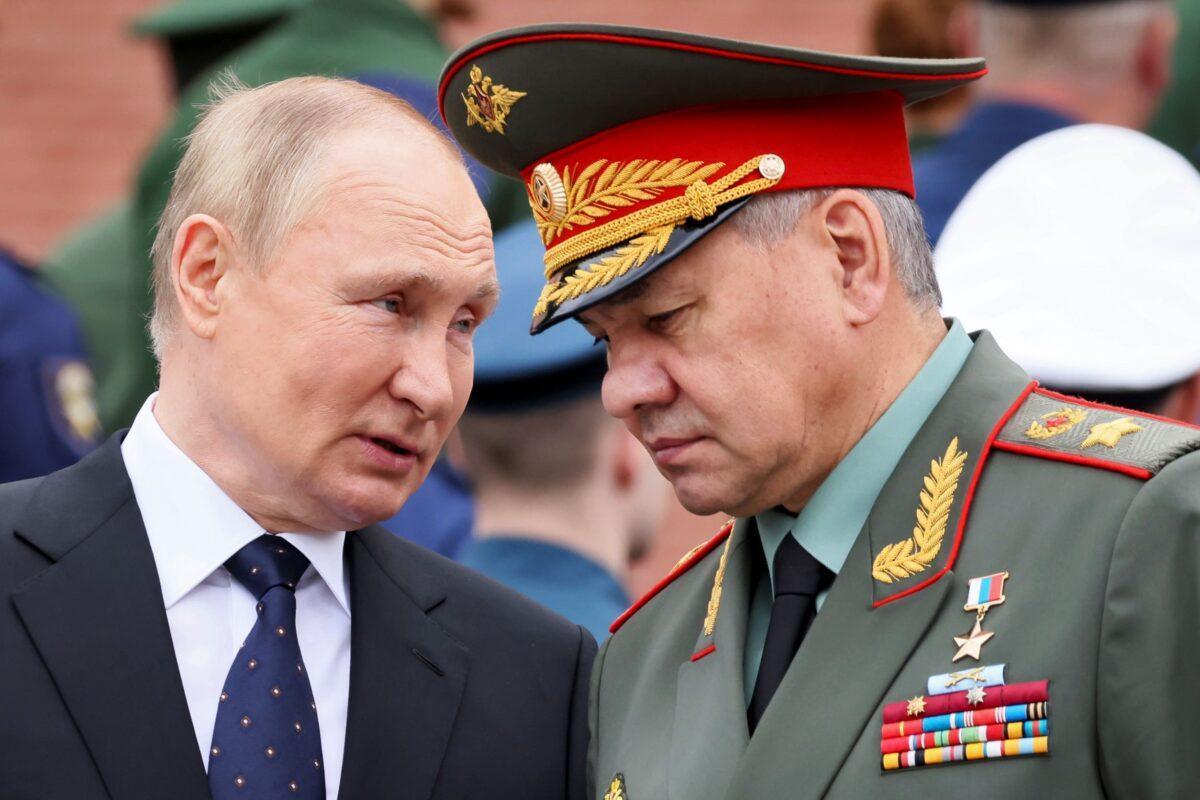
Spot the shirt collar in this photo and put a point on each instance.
(831, 520)
(193, 526)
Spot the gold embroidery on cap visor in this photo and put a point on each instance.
(602, 187)
(488, 103)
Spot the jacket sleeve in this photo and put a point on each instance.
(1148, 697)
(577, 745)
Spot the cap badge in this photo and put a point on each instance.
(914, 554)
(547, 193)
(1055, 423)
(1109, 433)
(488, 103)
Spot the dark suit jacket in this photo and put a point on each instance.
(458, 687)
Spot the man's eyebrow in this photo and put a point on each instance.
(487, 290)
(394, 281)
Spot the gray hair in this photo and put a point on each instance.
(1092, 43)
(769, 218)
(252, 162)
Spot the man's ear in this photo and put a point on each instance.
(854, 226)
(200, 259)
(1156, 48)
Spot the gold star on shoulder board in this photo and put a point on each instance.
(1109, 433)
(916, 706)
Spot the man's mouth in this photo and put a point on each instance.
(392, 447)
(668, 450)
(393, 455)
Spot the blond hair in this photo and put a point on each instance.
(252, 160)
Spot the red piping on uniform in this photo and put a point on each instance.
(1072, 458)
(691, 48)
(962, 519)
(1103, 407)
(704, 550)
(712, 648)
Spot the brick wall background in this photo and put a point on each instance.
(81, 99)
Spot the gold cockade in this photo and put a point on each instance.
(914, 554)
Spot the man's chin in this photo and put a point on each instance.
(699, 496)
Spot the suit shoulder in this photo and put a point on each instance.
(689, 560)
(1068, 429)
(14, 497)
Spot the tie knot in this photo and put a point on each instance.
(267, 562)
(796, 571)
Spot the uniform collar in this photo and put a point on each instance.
(830, 522)
(194, 527)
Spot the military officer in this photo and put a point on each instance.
(565, 499)
(940, 579)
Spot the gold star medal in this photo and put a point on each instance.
(982, 593)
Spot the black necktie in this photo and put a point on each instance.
(798, 579)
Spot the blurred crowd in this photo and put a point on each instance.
(1060, 192)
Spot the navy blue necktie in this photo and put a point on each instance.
(266, 742)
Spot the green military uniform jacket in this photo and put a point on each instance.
(1101, 544)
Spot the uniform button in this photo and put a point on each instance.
(245, 721)
(239, 782)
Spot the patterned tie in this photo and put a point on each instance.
(798, 579)
(266, 742)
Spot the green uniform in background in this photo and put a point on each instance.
(99, 269)
(382, 42)
(1178, 120)
(1092, 512)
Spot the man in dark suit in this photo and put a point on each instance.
(204, 607)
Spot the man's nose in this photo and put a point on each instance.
(633, 382)
(424, 378)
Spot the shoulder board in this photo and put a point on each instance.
(693, 557)
(1063, 428)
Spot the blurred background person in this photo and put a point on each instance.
(1178, 121)
(1080, 250)
(47, 404)
(926, 29)
(1051, 63)
(565, 498)
(101, 269)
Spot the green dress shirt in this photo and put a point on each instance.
(828, 525)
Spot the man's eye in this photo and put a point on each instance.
(660, 321)
(388, 304)
(466, 325)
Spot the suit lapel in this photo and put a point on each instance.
(710, 731)
(867, 629)
(96, 617)
(407, 676)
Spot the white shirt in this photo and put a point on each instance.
(193, 528)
